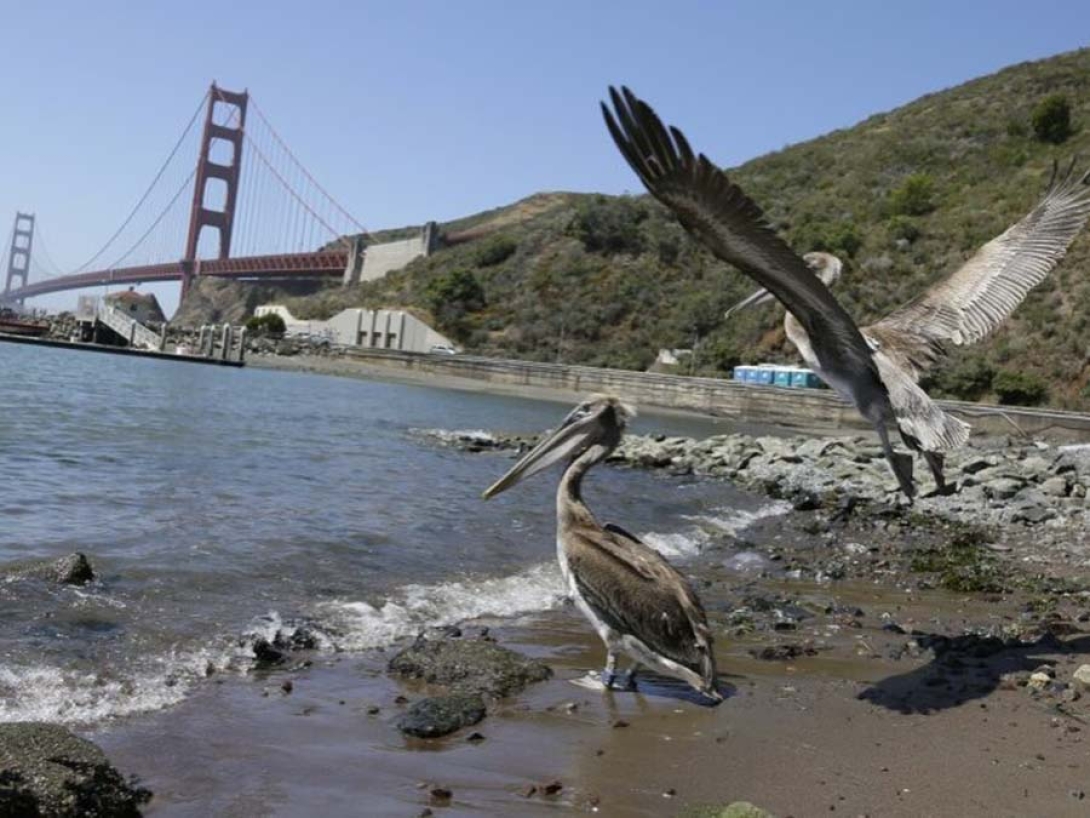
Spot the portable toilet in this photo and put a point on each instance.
(782, 376)
(805, 378)
(764, 374)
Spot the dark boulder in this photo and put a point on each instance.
(469, 666)
(441, 715)
(47, 770)
(74, 569)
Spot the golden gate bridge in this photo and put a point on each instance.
(208, 219)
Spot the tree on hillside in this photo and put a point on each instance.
(1052, 119)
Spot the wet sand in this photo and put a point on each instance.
(873, 723)
(794, 738)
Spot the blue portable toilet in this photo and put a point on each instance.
(782, 376)
(764, 374)
(805, 378)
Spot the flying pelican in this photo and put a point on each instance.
(896, 350)
(962, 308)
(719, 214)
(640, 605)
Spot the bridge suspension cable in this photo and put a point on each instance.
(40, 259)
(147, 193)
(282, 207)
(317, 186)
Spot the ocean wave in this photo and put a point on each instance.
(451, 437)
(362, 625)
(706, 527)
(60, 695)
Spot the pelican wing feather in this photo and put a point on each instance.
(720, 215)
(635, 591)
(969, 304)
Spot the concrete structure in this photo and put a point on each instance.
(810, 410)
(366, 263)
(371, 329)
(138, 306)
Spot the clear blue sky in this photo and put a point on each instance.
(432, 110)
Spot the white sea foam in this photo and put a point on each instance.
(452, 436)
(735, 521)
(677, 545)
(43, 693)
(705, 527)
(414, 607)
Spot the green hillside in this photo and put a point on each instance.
(904, 197)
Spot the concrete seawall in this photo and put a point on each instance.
(805, 408)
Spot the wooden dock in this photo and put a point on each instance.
(81, 346)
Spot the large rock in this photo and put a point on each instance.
(1003, 488)
(74, 569)
(47, 770)
(440, 715)
(1081, 678)
(469, 666)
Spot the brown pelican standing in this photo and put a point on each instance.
(894, 351)
(640, 605)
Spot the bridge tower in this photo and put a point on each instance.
(22, 239)
(200, 216)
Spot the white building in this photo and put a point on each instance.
(375, 329)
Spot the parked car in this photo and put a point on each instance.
(442, 349)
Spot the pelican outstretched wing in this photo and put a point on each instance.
(734, 228)
(969, 304)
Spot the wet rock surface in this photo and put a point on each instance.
(73, 569)
(47, 770)
(468, 666)
(272, 642)
(438, 716)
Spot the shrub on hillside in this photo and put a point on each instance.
(268, 324)
(1052, 119)
(610, 225)
(495, 250)
(451, 297)
(842, 239)
(902, 227)
(965, 378)
(1019, 388)
(915, 196)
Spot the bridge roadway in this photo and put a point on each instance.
(289, 265)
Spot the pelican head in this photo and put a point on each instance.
(595, 425)
(826, 266)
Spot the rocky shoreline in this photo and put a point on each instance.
(1016, 489)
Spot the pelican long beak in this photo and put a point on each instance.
(759, 297)
(572, 436)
